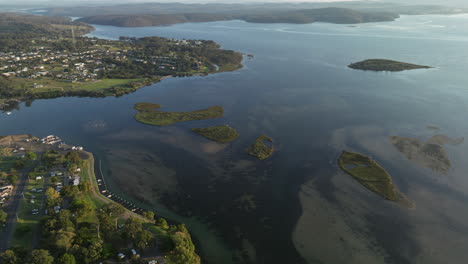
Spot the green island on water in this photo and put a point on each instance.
(372, 176)
(385, 65)
(259, 149)
(149, 115)
(221, 134)
(146, 106)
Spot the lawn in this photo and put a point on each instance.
(106, 83)
(63, 85)
(28, 223)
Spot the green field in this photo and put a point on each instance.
(26, 220)
(106, 83)
(63, 85)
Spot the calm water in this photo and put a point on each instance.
(295, 207)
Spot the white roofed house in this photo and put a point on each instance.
(76, 180)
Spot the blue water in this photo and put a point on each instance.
(297, 90)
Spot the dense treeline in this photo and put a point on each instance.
(330, 15)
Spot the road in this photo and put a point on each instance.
(6, 233)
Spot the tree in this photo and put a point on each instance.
(161, 222)
(113, 209)
(143, 239)
(31, 155)
(66, 259)
(131, 228)
(73, 157)
(85, 186)
(94, 251)
(19, 164)
(54, 179)
(63, 239)
(53, 197)
(149, 215)
(81, 207)
(12, 179)
(3, 217)
(9, 257)
(41, 256)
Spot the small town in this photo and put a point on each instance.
(82, 66)
(44, 178)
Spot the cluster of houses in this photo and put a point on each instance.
(79, 66)
(44, 62)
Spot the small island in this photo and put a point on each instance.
(146, 106)
(372, 176)
(149, 115)
(261, 150)
(385, 65)
(221, 134)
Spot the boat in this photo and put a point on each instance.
(8, 113)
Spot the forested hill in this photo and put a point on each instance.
(40, 25)
(330, 15)
(15, 28)
(146, 20)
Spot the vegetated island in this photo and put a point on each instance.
(372, 176)
(146, 106)
(385, 65)
(261, 150)
(40, 57)
(155, 117)
(221, 134)
(429, 154)
(55, 210)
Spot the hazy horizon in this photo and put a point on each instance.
(110, 2)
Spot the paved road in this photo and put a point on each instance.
(6, 233)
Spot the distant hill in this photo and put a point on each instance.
(19, 29)
(330, 15)
(146, 20)
(14, 23)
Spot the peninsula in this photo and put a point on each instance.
(372, 176)
(385, 65)
(55, 210)
(43, 59)
(260, 149)
(221, 134)
(151, 116)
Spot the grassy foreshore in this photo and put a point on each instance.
(159, 118)
(259, 149)
(372, 176)
(221, 134)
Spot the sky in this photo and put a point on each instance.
(82, 2)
